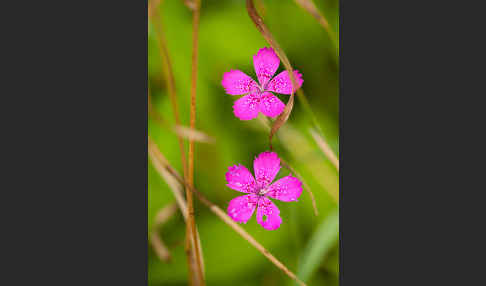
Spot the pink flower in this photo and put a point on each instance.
(258, 97)
(259, 190)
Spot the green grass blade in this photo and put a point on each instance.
(321, 242)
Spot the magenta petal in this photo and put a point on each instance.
(270, 105)
(236, 82)
(282, 83)
(287, 189)
(266, 63)
(240, 209)
(266, 167)
(247, 107)
(240, 179)
(267, 208)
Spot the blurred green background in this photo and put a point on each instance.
(307, 244)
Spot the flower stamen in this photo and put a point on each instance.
(263, 191)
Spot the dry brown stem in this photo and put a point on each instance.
(191, 227)
(191, 233)
(258, 21)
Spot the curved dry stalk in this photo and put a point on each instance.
(283, 117)
(306, 187)
(258, 21)
(311, 8)
(223, 216)
(155, 239)
(261, 7)
(325, 148)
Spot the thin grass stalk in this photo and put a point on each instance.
(306, 187)
(311, 8)
(224, 217)
(172, 94)
(325, 148)
(285, 129)
(301, 148)
(191, 227)
(169, 77)
(266, 124)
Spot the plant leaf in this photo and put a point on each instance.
(325, 237)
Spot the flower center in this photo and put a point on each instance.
(263, 191)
